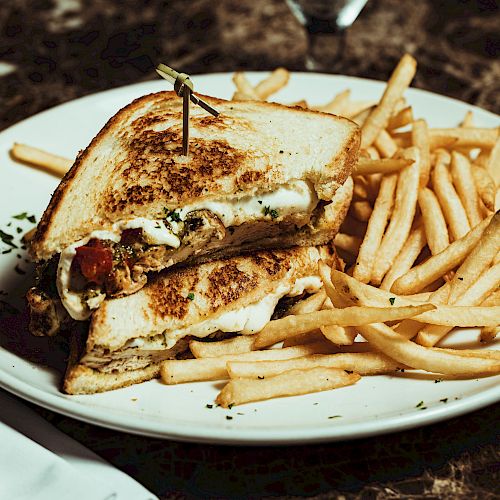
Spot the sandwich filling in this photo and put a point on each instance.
(140, 352)
(115, 262)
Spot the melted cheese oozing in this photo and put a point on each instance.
(247, 320)
(295, 197)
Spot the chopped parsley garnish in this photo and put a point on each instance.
(190, 296)
(209, 406)
(25, 216)
(436, 381)
(335, 416)
(230, 405)
(259, 202)
(392, 300)
(271, 211)
(7, 239)
(444, 400)
(19, 230)
(172, 215)
(228, 417)
(420, 404)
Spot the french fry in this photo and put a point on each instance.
(56, 165)
(463, 180)
(274, 82)
(292, 383)
(178, 371)
(494, 162)
(235, 345)
(417, 278)
(375, 230)
(401, 219)
(385, 144)
(361, 210)
(436, 231)
(452, 207)
(400, 119)
(420, 139)
(453, 138)
(364, 363)
(372, 153)
(361, 116)
(278, 330)
(337, 105)
(468, 120)
(353, 108)
(489, 333)
(308, 305)
(392, 344)
(383, 166)
(397, 84)
(304, 338)
(406, 258)
(355, 292)
(349, 244)
(485, 186)
(339, 335)
(492, 299)
(244, 86)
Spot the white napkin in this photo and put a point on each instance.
(39, 462)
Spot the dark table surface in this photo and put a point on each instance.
(55, 51)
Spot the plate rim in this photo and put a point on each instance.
(231, 435)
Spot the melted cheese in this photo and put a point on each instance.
(295, 197)
(154, 232)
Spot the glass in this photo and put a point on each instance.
(325, 17)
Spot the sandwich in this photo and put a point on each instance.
(258, 176)
(128, 337)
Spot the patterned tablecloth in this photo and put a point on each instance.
(55, 51)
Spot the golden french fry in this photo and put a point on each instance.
(375, 230)
(367, 166)
(337, 105)
(478, 260)
(372, 153)
(278, 330)
(397, 84)
(420, 139)
(468, 120)
(361, 210)
(494, 162)
(436, 231)
(347, 243)
(339, 335)
(304, 338)
(452, 207)
(438, 265)
(401, 220)
(244, 86)
(489, 333)
(453, 138)
(485, 186)
(463, 180)
(178, 371)
(308, 305)
(235, 345)
(362, 115)
(292, 383)
(49, 162)
(354, 108)
(385, 144)
(400, 119)
(241, 96)
(492, 300)
(386, 340)
(406, 258)
(364, 363)
(274, 82)
(355, 292)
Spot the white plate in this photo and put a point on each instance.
(375, 405)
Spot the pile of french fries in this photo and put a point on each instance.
(421, 247)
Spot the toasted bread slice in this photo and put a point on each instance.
(134, 167)
(128, 337)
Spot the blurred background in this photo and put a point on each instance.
(52, 51)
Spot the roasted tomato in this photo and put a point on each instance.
(95, 261)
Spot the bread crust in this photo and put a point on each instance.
(133, 166)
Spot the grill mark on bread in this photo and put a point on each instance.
(171, 298)
(228, 283)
